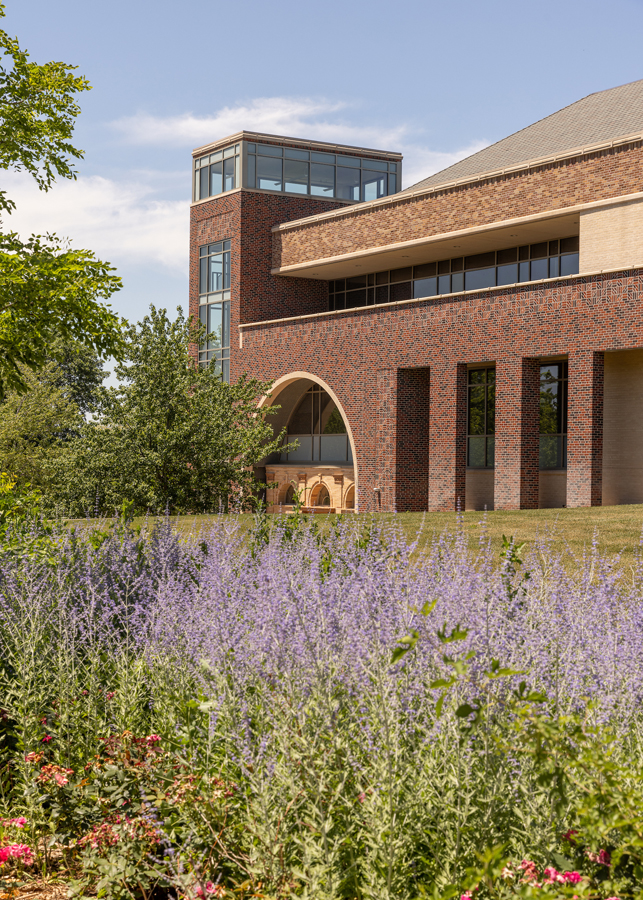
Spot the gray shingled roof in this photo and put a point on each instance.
(599, 117)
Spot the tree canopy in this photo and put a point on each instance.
(172, 434)
(48, 290)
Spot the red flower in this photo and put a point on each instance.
(46, 739)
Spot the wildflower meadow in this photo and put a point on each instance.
(296, 711)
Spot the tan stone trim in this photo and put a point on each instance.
(469, 179)
(396, 303)
(297, 268)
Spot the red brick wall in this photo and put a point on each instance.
(359, 352)
(246, 218)
(608, 173)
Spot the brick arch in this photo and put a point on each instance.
(286, 380)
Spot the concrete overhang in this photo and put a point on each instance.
(548, 225)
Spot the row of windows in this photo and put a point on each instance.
(319, 179)
(481, 417)
(532, 262)
(295, 171)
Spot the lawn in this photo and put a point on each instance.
(618, 528)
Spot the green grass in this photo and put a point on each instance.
(618, 527)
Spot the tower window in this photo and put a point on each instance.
(214, 305)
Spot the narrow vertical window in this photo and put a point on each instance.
(553, 416)
(214, 306)
(481, 418)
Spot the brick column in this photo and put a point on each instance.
(517, 433)
(585, 429)
(447, 437)
(383, 500)
(412, 440)
(402, 440)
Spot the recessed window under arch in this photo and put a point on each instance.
(287, 495)
(320, 496)
(319, 429)
(349, 500)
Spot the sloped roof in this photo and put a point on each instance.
(603, 116)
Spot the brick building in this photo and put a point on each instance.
(475, 339)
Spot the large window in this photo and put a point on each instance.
(553, 416)
(214, 305)
(548, 259)
(319, 429)
(218, 172)
(481, 418)
(295, 171)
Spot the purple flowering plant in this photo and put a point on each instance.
(381, 722)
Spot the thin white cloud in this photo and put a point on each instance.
(119, 220)
(309, 118)
(317, 119)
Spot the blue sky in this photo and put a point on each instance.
(435, 81)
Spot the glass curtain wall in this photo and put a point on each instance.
(549, 259)
(217, 173)
(295, 171)
(214, 305)
(553, 416)
(319, 429)
(481, 418)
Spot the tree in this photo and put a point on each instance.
(34, 426)
(172, 434)
(47, 290)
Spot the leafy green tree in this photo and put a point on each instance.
(34, 426)
(79, 373)
(172, 434)
(47, 290)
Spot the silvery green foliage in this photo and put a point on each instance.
(267, 661)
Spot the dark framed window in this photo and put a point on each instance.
(217, 172)
(548, 259)
(481, 418)
(214, 305)
(553, 415)
(297, 171)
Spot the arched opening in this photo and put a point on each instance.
(320, 496)
(349, 499)
(287, 495)
(318, 427)
(310, 414)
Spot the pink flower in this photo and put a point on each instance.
(152, 740)
(552, 876)
(507, 873)
(466, 896)
(46, 739)
(361, 797)
(569, 835)
(16, 851)
(210, 888)
(572, 877)
(20, 822)
(529, 869)
(60, 779)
